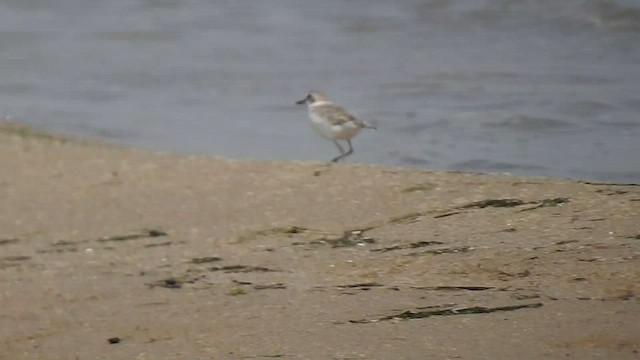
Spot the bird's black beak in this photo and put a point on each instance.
(303, 101)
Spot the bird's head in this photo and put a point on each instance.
(312, 98)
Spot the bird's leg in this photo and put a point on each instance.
(342, 153)
(350, 148)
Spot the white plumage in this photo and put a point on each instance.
(333, 122)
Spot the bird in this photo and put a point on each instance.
(333, 122)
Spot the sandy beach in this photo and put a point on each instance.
(115, 253)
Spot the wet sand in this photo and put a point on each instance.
(107, 252)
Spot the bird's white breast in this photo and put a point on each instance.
(324, 128)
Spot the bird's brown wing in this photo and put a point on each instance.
(337, 115)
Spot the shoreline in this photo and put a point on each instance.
(12, 128)
(131, 253)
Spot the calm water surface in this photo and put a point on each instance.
(541, 87)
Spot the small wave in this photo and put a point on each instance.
(523, 122)
(489, 165)
(618, 177)
(584, 108)
(417, 128)
(613, 16)
(414, 161)
(131, 36)
(620, 124)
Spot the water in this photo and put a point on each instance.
(539, 87)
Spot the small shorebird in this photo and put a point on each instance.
(332, 121)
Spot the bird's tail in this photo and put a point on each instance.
(366, 125)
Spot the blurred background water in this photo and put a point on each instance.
(534, 87)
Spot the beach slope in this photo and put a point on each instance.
(107, 252)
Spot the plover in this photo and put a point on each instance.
(332, 121)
